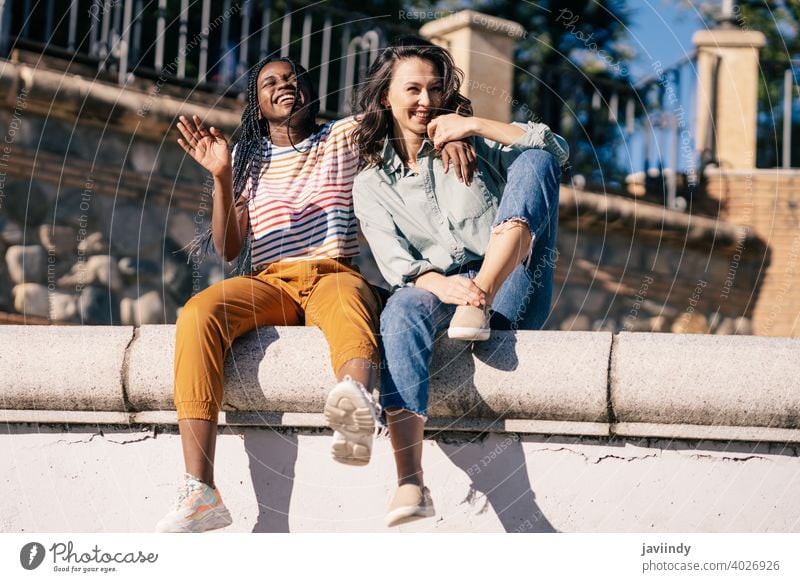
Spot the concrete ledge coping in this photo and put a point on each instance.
(629, 214)
(729, 37)
(546, 382)
(125, 107)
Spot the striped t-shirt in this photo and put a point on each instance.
(303, 205)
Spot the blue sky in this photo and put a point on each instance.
(661, 30)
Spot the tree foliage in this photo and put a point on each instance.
(571, 50)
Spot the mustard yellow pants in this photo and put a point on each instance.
(327, 293)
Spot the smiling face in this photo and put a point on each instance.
(414, 95)
(279, 97)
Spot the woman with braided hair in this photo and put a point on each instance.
(282, 206)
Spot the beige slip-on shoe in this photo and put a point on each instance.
(470, 324)
(411, 502)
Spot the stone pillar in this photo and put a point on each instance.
(483, 47)
(736, 96)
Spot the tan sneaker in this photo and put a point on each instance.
(411, 502)
(470, 324)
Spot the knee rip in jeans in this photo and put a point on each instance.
(512, 223)
(394, 411)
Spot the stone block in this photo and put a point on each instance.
(26, 264)
(142, 309)
(31, 299)
(93, 244)
(101, 270)
(63, 306)
(706, 380)
(287, 369)
(58, 239)
(63, 367)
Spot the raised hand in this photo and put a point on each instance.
(209, 148)
(450, 127)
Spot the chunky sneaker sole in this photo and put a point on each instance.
(469, 334)
(351, 413)
(199, 508)
(206, 521)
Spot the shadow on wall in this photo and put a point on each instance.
(500, 475)
(498, 471)
(272, 462)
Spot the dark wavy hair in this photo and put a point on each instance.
(249, 153)
(375, 120)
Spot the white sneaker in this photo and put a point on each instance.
(199, 509)
(352, 413)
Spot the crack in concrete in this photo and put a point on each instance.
(125, 371)
(144, 438)
(150, 435)
(698, 456)
(81, 441)
(725, 458)
(597, 460)
(612, 415)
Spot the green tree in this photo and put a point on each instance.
(572, 49)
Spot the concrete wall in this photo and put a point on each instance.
(58, 478)
(533, 431)
(629, 265)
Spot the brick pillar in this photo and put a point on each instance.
(737, 93)
(483, 47)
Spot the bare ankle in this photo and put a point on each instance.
(486, 286)
(411, 480)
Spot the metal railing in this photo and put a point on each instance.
(668, 100)
(204, 44)
(776, 113)
(649, 126)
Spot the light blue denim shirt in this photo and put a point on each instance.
(415, 223)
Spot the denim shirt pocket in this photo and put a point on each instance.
(469, 202)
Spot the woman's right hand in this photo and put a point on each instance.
(455, 289)
(208, 148)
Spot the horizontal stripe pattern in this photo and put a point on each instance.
(302, 205)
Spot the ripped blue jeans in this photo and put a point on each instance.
(413, 318)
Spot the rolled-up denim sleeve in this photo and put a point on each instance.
(536, 136)
(390, 248)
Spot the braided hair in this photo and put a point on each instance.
(249, 153)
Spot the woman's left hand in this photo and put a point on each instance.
(464, 159)
(449, 127)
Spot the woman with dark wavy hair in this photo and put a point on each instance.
(475, 254)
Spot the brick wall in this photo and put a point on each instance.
(766, 203)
